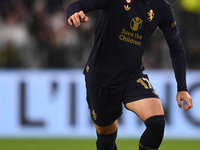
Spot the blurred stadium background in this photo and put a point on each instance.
(42, 93)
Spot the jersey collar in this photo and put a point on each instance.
(147, 1)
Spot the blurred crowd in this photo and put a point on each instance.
(35, 34)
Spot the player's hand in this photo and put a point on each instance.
(184, 96)
(77, 18)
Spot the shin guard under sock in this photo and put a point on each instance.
(153, 135)
(106, 142)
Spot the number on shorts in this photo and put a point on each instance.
(146, 86)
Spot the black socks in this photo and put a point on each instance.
(150, 139)
(106, 142)
(153, 135)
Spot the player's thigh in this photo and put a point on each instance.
(106, 130)
(146, 108)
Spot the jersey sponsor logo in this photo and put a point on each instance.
(130, 37)
(129, 40)
(136, 23)
(127, 8)
(151, 15)
(128, 1)
(133, 38)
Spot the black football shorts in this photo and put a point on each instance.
(105, 104)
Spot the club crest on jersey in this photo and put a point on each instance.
(151, 15)
(94, 115)
(128, 1)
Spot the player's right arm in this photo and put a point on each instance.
(77, 18)
(76, 11)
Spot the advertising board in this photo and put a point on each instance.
(48, 104)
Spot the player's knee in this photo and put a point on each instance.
(153, 135)
(106, 130)
(156, 125)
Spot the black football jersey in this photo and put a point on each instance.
(121, 36)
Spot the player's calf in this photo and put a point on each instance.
(153, 135)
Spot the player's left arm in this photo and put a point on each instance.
(184, 96)
(178, 57)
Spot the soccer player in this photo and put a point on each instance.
(114, 71)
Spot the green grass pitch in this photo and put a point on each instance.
(89, 144)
